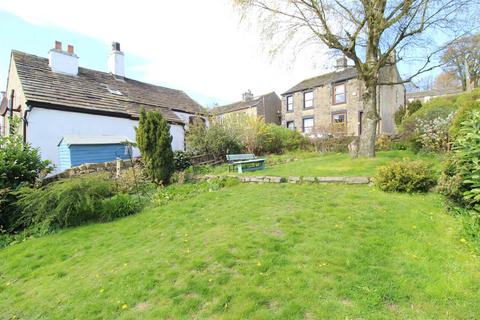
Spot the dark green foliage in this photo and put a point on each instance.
(118, 206)
(181, 160)
(462, 115)
(217, 139)
(155, 144)
(406, 176)
(280, 139)
(407, 110)
(63, 203)
(460, 180)
(20, 164)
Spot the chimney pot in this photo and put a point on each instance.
(61, 61)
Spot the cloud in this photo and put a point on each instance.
(198, 46)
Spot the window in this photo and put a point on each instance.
(339, 121)
(308, 100)
(289, 103)
(339, 95)
(307, 125)
(291, 125)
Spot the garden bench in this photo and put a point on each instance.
(245, 162)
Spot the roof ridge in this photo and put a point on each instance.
(99, 71)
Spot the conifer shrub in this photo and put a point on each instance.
(155, 144)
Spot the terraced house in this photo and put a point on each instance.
(266, 106)
(332, 103)
(58, 101)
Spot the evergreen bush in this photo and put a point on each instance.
(155, 144)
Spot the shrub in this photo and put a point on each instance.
(462, 115)
(405, 176)
(281, 139)
(155, 144)
(432, 135)
(407, 110)
(383, 142)
(218, 139)
(63, 203)
(181, 160)
(133, 181)
(460, 180)
(20, 164)
(118, 206)
(331, 144)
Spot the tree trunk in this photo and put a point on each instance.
(369, 121)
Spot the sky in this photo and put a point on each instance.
(200, 47)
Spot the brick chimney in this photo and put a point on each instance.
(341, 63)
(63, 61)
(247, 96)
(116, 61)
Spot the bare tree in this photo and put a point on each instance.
(369, 32)
(462, 57)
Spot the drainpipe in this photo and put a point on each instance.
(10, 105)
(25, 123)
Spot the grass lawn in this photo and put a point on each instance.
(331, 164)
(253, 251)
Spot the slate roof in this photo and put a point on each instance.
(240, 105)
(97, 92)
(89, 140)
(346, 74)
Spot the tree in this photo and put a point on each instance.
(369, 32)
(155, 144)
(462, 57)
(446, 81)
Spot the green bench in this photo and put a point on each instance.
(244, 162)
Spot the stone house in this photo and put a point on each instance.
(332, 103)
(267, 106)
(55, 98)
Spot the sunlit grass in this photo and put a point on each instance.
(330, 164)
(253, 251)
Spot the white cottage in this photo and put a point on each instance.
(56, 98)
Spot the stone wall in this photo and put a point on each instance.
(88, 168)
(290, 179)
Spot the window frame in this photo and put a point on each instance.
(345, 116)
(292, 122)
(308, 118)
(304, 100)
(286, 102)
(334, 93)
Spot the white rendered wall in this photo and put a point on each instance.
(46, 127)
(63, 62)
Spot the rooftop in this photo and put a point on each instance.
(331, 77)
(97, 92)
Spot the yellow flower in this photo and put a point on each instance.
(463, 240)
(101, 290)
(210, 280)
(414, 227)
(125, 306)
(259, 264)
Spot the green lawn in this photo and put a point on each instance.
(253, 251)
(331, 164)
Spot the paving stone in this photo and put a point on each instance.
(331, 179)
(357, 180)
